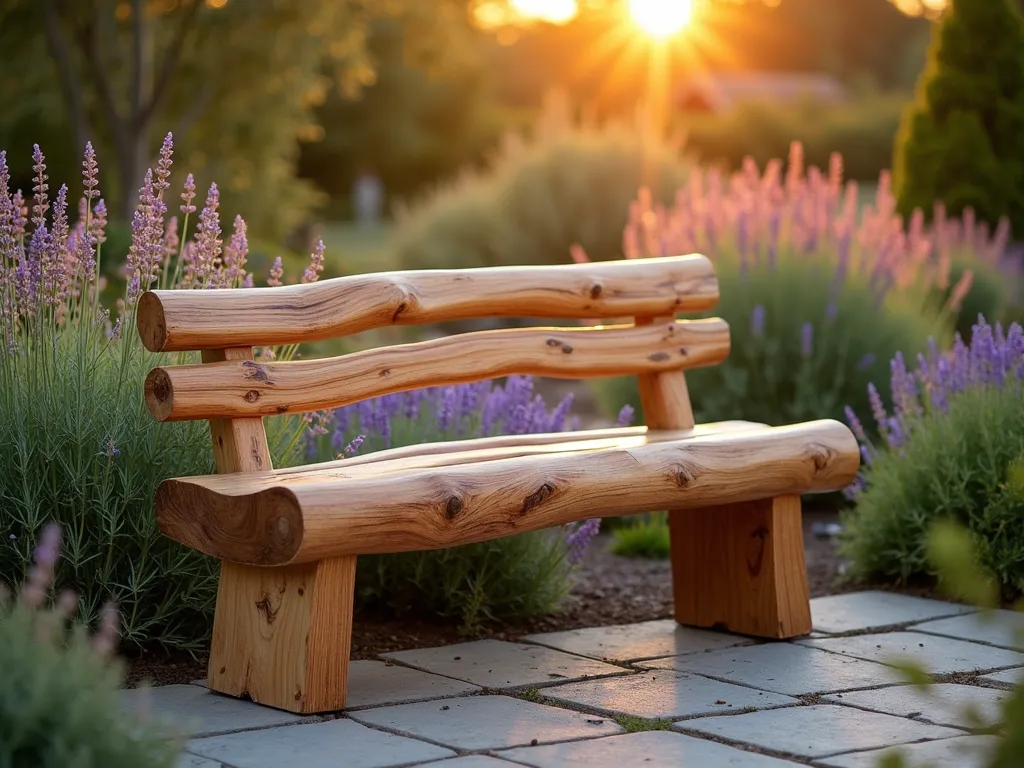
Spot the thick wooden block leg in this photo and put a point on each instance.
(741, 567)
(283, 635)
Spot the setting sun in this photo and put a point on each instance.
(661, 18)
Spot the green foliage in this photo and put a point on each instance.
(768, 377)
(962, 142)
(644, 536)
(568, 186)
(952, 467)
(507, 579)
(59, 702)
(862, 131)
(633, 724)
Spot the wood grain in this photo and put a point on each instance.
(419, 509)
(186, 320)
(280, 636)
(742, 568)
(245, 388)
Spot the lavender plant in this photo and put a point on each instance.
(505, 579)
(819, 293)
(77, 444)
(59, 702)
(945, 449)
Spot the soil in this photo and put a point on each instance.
(608, 590)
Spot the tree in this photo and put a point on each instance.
(962, 142)
(236, 81)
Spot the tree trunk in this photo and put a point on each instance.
(132, 159)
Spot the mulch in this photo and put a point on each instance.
(608, 590)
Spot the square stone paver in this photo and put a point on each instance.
(1006, 677)
(487, 722)
(872, 610)
(635, 642)
(317, 745)
(1003, 628)
(195, 711)
(945, 704)
(962, 752)
(649, 748)
(375, 683)
(937, 655)
(471, 761)
(783, 668)
(497, 664)
(816, 731)
(664, 694)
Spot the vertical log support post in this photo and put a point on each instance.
(281, 635)
(738, 567)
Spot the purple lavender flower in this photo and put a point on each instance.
(90, 173)
(163, 166)
(276, 273)
(626, 415)
(352, 448)
(446, 408)
(207, 247)
(807, 340)
(235, 254)
(188, 194)
(757, 320)
(866, 361)
(580, 537)
(316, 264)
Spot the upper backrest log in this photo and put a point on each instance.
(646, 289)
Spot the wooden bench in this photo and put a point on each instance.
(288, 539)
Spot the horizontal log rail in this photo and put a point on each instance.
(179, 320)
(296, 522)
(238, 389)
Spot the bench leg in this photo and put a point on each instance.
(741, 567)
(283, 636)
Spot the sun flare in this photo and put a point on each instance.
(661, 18)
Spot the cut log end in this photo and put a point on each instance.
(160, 394)
(263, 529)
(151, 323)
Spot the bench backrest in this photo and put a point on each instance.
(227, 324)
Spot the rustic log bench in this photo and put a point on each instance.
(288, 539)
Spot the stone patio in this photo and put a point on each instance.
(651, 694)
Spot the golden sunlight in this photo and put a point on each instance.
(661, 18)
(554, 11)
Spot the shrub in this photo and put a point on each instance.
(957, 426)
(861, 131)
(505, 579)
(643, 536)
(59, 701)
(818, 294)
(568, 185)
(77, 444)
(962, 142)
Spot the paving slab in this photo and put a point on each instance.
(195, 711)
(783, 668)
(377, 683)
(1006, 677)
(649, 748)
(487, 722)
(471, 761)
(317, 745)
(959, 706)
(937, 655)
(816, 731)
(858, 611)
(664, 694)
(1002, 628)
(962, 752)
(498, 664)
(637, 642)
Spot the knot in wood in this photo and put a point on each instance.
(453, 507)
(596, 290)
(537, 498)
(821, 456)
(684, 474)
(252, 396)
(658, 357)
(161, 385)
(255, 371)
